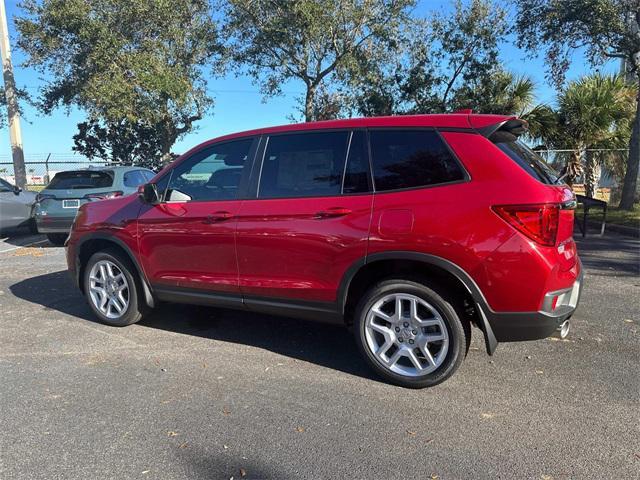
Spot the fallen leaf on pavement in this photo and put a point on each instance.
(539, 372)
(243, 472)
(300, 429)
(172, 433)
(226, 411)
(628, 320)
(411, 432)
(183, 445)
(488, 415)
(225, 447)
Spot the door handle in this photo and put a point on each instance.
(218, 217)
(332, 212)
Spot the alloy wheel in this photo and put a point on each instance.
(108, 289)
(406, 334)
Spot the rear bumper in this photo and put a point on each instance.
(48, 224)
(521, 326)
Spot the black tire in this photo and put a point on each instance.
(137, 307)
(57, 239)
(448, 305)
(32, 226)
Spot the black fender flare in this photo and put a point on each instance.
(108, 237)
(464, 278)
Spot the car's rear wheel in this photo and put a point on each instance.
(57, 239)
(113, 289)
(412, 334)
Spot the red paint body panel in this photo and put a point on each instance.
(282, 249)
(285, 250)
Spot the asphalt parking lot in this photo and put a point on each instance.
(201, 393)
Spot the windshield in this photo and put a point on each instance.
(81, 179)
(529, 160)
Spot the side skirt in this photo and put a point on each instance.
(326, 312)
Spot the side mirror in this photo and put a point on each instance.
(17, 190)
(149, 193)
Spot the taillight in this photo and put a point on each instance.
(43, 196)
(539, 222)
(103, 196)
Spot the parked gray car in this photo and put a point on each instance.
(15, 206)
(57, 204)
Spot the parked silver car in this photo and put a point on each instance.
(15, 207)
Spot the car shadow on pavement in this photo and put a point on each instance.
(23, 238)
(331, 346)
(610, 255)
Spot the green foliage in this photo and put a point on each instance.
(122, 143)
(317, 42)
(138, 62)
(442, 64)
(594, 112)
(607, 29)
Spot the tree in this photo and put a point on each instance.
(437, 65)
(607, 29)
(593, 112)
(311, 41)
(455, 51)
(123, 62)
(122, 143)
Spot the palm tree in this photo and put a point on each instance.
(593, 112)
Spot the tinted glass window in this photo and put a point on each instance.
(304, 165)
(356, 176)
(411, 158)
(530, 161)
(80, 180)
(213, 173)
(133, 179)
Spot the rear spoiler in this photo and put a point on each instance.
(515, 126)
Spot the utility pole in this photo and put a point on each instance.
(15, 134)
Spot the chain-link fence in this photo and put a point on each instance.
(41, 168)
(610, 166)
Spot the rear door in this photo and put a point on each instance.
(13, 209)
(310, 220)
(187, 241)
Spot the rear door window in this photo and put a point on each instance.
(411, 159)
(83, 179)
(304, 165)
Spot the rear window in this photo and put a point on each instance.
(410, 159)
(529, 160)
(81, 180)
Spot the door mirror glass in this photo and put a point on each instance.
(149, 193)
(17, 190)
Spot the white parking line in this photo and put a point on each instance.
(23, 246)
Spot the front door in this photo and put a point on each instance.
(187, 241)
(310, 220)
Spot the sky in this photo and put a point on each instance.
(238, 103)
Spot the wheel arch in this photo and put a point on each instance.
(97, 242)
(373, 268)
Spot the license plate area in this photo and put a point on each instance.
(71, 204)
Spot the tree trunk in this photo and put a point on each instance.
(592, 174)
(309, 102)
(633, 162)
(574, 166)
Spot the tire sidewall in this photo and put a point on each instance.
(132, 314)
(457, 337)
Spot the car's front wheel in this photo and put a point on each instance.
(412, 334)
(113, 289)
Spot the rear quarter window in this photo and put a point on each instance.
(76, 180)
(529, 160)
(411, 159)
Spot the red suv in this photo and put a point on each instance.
(408, 229)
